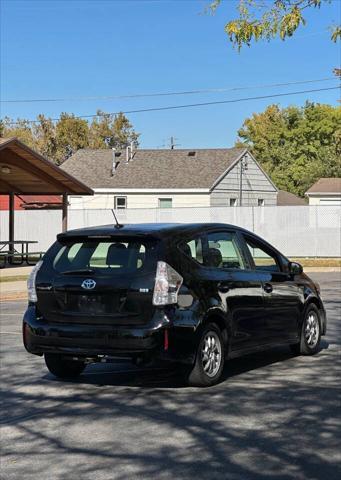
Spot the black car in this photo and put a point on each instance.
(191, 294)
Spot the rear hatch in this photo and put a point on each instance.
(98, 280)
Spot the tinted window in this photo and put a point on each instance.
(193, 249)
(223, 251)
(263, 258)
(108, 257)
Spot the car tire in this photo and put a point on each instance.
(209, 359)
(310, 337)
(62, 367)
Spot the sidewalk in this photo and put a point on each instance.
(13, 291)
(14, 272)
(16, 289)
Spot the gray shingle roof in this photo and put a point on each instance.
(326, 185)
(152, 168)
(287, 198)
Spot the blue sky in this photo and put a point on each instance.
(79, 48)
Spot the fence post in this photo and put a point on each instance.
(316, 230)
(253, 218)
(64, 213)
(11, 221)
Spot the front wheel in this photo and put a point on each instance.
(210, 356)
(62, 367)
(309, 343)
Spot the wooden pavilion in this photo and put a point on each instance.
(26, 172)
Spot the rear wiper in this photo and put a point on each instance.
(86, 271)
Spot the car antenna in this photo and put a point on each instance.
(118, 225)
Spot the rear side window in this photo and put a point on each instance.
(193, 249)
(107, 257)
(216, 249)
(223, 251)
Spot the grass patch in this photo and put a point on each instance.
(318, 262)
(14, 278)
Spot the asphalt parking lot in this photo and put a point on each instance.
(275, 416)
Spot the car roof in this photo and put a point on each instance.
(158, 230)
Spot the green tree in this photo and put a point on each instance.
(44, 134)
(72, 133)
(58, 140)
(21, 128)
(265, 20)
(295, 145)
(112, 130)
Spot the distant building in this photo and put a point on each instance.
(32, 202)
(289, 199)
(170, 178)
(326, 191)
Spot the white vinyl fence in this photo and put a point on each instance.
(298, 231)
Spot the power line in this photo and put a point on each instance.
(166, 94)
(191, 105)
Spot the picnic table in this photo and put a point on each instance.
(17, 252)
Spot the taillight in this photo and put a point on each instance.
(167, 285)
(31, 283)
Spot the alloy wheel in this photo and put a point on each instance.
(211, 354)
(312, 330)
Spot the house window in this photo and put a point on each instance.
(261, 202)
(120, 202)
(233, 202)
(165, 202)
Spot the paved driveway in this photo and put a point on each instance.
(275, 416)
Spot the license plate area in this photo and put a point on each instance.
(92, 303)
(99, 304)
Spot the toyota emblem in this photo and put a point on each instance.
(88, 284)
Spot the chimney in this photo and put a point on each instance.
(113, 166)
(129, 152)
(115, 161)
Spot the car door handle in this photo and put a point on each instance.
(267, 287)
(223, 287)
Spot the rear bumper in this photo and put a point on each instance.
(85, 340)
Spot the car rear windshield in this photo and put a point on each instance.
(106, 256)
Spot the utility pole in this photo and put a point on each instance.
(240, 182)
(172, 144)
(242, 168)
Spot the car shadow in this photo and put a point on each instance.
(125, 374)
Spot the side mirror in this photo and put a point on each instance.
(295, 268)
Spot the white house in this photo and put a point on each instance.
(170, 178)
(326, 191)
